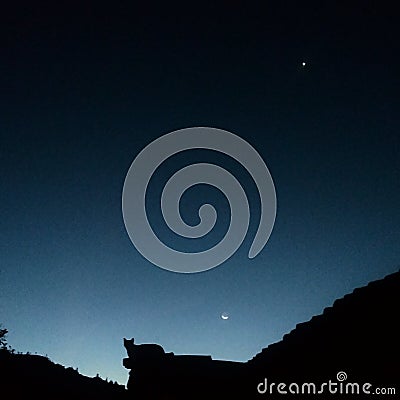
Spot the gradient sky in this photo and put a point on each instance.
(83, 90)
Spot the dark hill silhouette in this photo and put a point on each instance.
(358, 335)
(24, 376)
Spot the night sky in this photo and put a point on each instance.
(83, 89)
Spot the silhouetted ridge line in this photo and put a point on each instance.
(358, 335)
(25, 376)
(374, 293)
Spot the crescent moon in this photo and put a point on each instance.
(224, 316)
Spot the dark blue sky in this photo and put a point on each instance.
(84, 90)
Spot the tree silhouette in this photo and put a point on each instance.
(3, 339)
